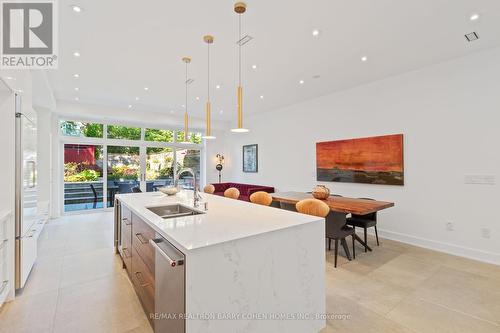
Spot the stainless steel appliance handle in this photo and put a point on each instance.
(172, 262)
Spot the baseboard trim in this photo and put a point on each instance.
(479, 255)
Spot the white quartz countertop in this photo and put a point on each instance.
(225, 220)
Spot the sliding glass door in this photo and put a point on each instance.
(102, 160)
(83, 177)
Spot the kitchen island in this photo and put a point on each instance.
(245, 267)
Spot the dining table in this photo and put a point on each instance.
(340, 207)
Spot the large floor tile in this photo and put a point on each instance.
(108, 304)
(425, 317)
(469, 293)
(34, 313)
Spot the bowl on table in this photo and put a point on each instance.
(168, 190)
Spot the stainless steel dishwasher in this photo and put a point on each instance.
(170, 283)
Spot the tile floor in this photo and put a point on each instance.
(78, 285)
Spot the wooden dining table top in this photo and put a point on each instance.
(336, 204)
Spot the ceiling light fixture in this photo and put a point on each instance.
(240, 8)
(261, 96)
(301, 81)
(130, 106)
(197, 98)
(146, 88)
(186, 60)
(76, 76)
(9, 78)
(77, 99)
(474, 17)
(208, 107)
(364, 58)
(76, 54)
(315, 32)
(221, 111)
(137, 98)
(217, 86)
(254, 66)
(77, 89)
(76, 9)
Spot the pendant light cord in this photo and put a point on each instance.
(208, 71)
(239, 50)
(185, 82)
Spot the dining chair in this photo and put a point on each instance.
(313, 207)
(336, 229)
(232, 193)
(136, 189)
(365, 222)
(261, 198)
(210, 189)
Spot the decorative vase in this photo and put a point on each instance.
(321, 192)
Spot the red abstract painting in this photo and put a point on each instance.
(373, 160)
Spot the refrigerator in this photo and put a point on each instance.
(27, 228)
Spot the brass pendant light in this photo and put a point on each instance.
(186, 60)
(208, 108)
(240, 8)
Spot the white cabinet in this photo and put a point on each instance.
(5, 283)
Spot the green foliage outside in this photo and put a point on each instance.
(79, 172)
(124, 132)
(125, 172)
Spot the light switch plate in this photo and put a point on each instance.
(480, 179)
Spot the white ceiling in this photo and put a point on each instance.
(128, 45)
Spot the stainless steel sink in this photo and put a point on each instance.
(171, 211)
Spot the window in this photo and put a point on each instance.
(193, 137)
(124, 132)
(158, 135)
(81, 129)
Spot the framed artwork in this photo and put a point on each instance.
(372, 160)
(250, 158)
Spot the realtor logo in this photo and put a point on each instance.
(29, 35)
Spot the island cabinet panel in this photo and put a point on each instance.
(141, 235)
(144, 285)
(125, 247)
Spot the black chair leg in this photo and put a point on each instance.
(353, 247)
(366, 241)
(336, 250)
(329, 244)
(376, 235)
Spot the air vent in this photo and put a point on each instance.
(189, 81)
(244, 40)
(472, 36)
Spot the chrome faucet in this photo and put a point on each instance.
(196, 195)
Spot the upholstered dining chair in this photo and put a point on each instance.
(261, 198)
(210, 189)
(365, 222)
(232, 193)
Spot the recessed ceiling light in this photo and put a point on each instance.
(474, 17)
(76, 54)
(20, 90)
(254, 66)
(221, 111)
(261, 96)
(137, 98)
(364, 58)
(9, 78)
(146, 88)
(76, 76)
(217, 86)
(172, 111)
(315, 32)
(130, 106)
(76, 88)
(301, 81)
(197, 98)
(183, 106)
(76, 9)
(77, 99)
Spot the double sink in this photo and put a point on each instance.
(173, 210)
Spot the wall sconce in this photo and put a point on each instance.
(220, 164)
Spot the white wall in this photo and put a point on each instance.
(450, 116)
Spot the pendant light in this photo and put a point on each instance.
(186, 60)
(240, 8)
(208, 108)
